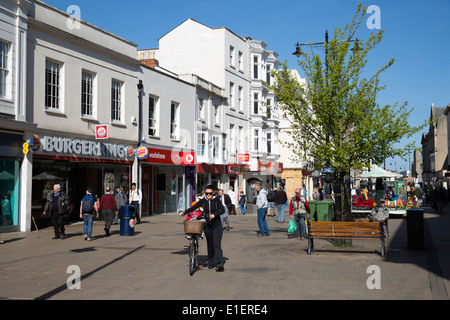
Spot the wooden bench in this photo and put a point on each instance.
(345, 230)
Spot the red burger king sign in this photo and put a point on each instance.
(101, 132)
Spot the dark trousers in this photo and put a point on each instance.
(58, 224)
(213, 232)
(108, 214)
(135, 204)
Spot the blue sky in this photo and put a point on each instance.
(417, 35)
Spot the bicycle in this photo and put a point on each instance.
(193, 253)
(193, 230)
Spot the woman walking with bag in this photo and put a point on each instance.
(212, 208)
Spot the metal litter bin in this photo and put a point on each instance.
(415, 228)
(127, 220)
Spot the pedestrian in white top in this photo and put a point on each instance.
(135, 200)
(232, 195)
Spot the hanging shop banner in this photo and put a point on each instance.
(101, 132)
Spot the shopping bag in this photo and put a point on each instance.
(292, 228)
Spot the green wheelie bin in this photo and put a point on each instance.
(324, 210)
(312, 206)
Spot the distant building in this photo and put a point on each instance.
(435, 148)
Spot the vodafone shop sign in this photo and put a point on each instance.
(154, 155)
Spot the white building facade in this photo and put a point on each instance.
(168, 129)
(222, 58)
(79, 77)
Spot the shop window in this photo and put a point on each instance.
(9, 193)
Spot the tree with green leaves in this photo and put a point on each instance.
(335, 118)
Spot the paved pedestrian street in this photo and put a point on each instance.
(153, 265)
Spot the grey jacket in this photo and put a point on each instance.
(121, 199)
(261, 199)
(379, 213)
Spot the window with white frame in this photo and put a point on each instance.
(201, 109)
(232, 139)
(224, 147)
(269, 142)
(52, 84)
(174, 120)
(116, 100)
(255, 103)
(87, 93)
(241, 98)
(4, 69)
(256, 140)
(216, 147)
(217, 115)
(268, 74)
(269, 106)
(241, 140)
(232, 58)
(240, 61)
(152, 116)
(201, 144)
(231, 95)
(255, 67)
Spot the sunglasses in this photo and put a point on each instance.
(209, 193)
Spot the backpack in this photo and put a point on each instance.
(271, 197)
(87, 204)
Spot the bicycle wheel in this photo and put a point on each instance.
(193, 251)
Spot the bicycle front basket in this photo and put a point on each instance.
(193, 227)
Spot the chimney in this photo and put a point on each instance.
(152, 63)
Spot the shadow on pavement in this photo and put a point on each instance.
(63, 287)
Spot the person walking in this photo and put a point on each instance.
(271, 202)
(135, 200)
(261, 204)
(232, 195)
(242, 202)
(57, 206)
(87, 209)
(109, 208)
(226, 202)
(299, 207)
(213, 209)
(280, 200)
(121, 200)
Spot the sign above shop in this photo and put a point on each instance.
(101, 131)
(237, 169)
(270, 167)
(78, 147)
(169, 157)
(243, 157)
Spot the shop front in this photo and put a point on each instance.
(268, 174)
(168, 180)
(76, 164)
(210, 174)
(10, 178)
